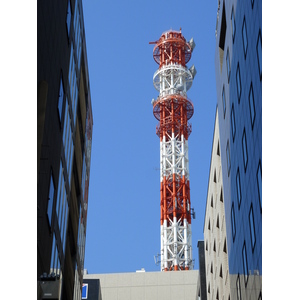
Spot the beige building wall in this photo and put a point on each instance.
(180, 285)
(216, 258)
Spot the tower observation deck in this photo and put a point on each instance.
(173, 109)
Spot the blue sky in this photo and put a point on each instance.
(123, 227)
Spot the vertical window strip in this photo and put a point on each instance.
(224, 101)
(259, 183)
(251, 105)
(228, 64)
(64, 229)
(228, 157)
(83, 176)
(238, 187)
(50, 199)
(245, 263)
(60, 97)
(53, 253)
(259, 53)
(68, 18)
(59, 190)
(245, 150)
(233, 229)
(252, 228)
(233, 24)
(238, 82)
(232, 122)
(245, 38)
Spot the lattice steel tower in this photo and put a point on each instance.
(173, 109)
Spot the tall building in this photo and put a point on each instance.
(173, 109)
(64, 137)
(238, 68)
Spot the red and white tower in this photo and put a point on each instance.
(173, 109)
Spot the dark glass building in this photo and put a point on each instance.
(64, 137)
(238, 68)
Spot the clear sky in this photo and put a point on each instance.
(123, 226)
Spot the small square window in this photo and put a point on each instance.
(238, 187)
(245, 150)
(252, 105)
(245, 263)
(233, 230)
(238, 83)
(228, 64)
(232, 115)
(259, 183)
(252, 227)
(245, 38)
(259, 54)
(228, 157)
(233, 24)
(224, 101)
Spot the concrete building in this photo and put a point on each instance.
(148, 285)
(238, 69)
(64, 137)
(216, 258)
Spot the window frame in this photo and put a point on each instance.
(245, 37)
(232, 118)
(238, 188)
(252, 228)
(238, 82)
(252, 106)
(245, 150)
(259, 53)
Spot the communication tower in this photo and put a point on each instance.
(173, 109)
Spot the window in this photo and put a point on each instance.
(221, 272)
(245, 150)
(251, 105)
(259, 183)
(215, 176)
(218, 222)
(238, 83)
(259, 297)
(55, 260)
(233, 222)
(211, 268)
(208, 224)
(224, 246)
(212, 201)
(238, 187)
(228, 64)
(252, 2)
(68, 19)
(245, 38)
(252, 228)
(221, 196)
(60, 97)
(214, 247)
(259, 54)
(50, 199)
(245, 263)
(238, 288)
(228, 157)
(222, 37)
(232, 115)
(206, 247)
(77, 32)
(224, 101)
(233, 24)
(73, 84)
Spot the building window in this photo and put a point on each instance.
(218, 222)
(245, 38)
(259, 297)
(50, 199)
(233, 24)
(238, 82)
(259, 53)
(224, 246)
(259, 183)
(252, 228)
(68, 19)
(224, 100)
(73, 84)
(251, 105)
(212, 201)
(221, 195)
(233, 222)
(77, 32)
(228, 157)
(221, 272)
(228, 64)
(245, 263)
(222, 37)
(238, 187)
(60, 97)
(238, 288)
(55, 261)
(208, 225)
(232, 115)
(252, 2)
(245, 150)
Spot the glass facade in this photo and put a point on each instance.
(241, 132)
